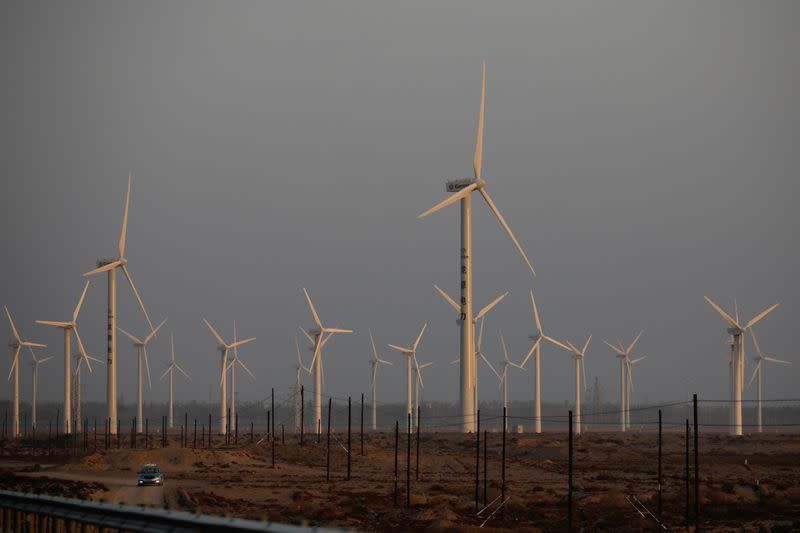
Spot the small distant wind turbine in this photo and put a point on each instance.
(35, 378)
(224, 348)
(624, 379)
(536, 348)
(735, 331)
(76, 384)
(506, 362)
(68, 327)
(141, 353)
(316, 362)
(110, 266)
(173, 366)
(232, 368)
(580, 369)
(411, 357)
(299, 367)
(463, 189)
(417, 386)
(16, 344)
(759, 370)
(374, 361)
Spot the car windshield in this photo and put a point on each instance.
(150, 470)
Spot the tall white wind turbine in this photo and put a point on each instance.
(110, 266)
(68, 327)
(624, 355)
(506, 362)
(173, 366)
(411, 360)
(16, 345)
(224, 348)
(536, 348)
(580, 369)
(141, 353)
(35, 384)
(316, 362)
(735, 331)
(232, 368)
(463, 189)
(760, 360)
(480, 317)
(374, 361)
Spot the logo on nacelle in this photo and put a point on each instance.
(457, 185)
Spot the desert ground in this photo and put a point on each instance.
(748, 483)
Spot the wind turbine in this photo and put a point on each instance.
(232, 368)
(299, 367)
(504, 375)
(480, 317)
(463, 189)
(579, 369)
(316, 362)
(35, 378)
(736, 330)
(110, 266)
(76, 385)
(536, 348)
(417, 385)
(224, 348)
(68, 327)
(761, 359)
(141, 353)
(173, 366)
(411, 359)
(625, 380)
(374, 362)
(16, 344)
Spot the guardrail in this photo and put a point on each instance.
(21, 511)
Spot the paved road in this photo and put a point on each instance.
(122, 487)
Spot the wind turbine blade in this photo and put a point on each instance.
(317, 348)
(13, 363)
(374, 374)
(136, 294)
(240, 343)
(147, 366)
(309, 337)
(780, 361)
(13, 327)
(182, 371)
(374, 350)
(760, 316)
(53, 323)
(630, 376)
(172, 346)
(337, 330)
(506, 227)
(477, 159)
(503, 344)
(447, 298)
(536, 314)
(313, 311)
(533, 348)
(82, 350)
(400, 348)
(324, 340)
(557, 343)
(572, 348)
(32, 344)
(241, 363)
(722, 313)
(489, 365)
(95, 359)
(583, 370)
(123, 234)
(634, 361)
(450, 200)
(164, 374)
(104, 268)
(153, 333)
(80, 303)
(480, 336)
(586, 345)
(129, 335)
(385, 362)
(214, 332)
(455, 361)
(491, 305)
(44, 360)
(419, 337)
(617, 349)
(628, 351)
(755, 343)
(755, 371)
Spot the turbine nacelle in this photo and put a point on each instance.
(458, 184)
(734, 331)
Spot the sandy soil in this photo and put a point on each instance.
(751, 482)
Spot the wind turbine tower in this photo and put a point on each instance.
(580, 369)
(463, 189)
(374, 362)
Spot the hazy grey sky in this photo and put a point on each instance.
(645, 153)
